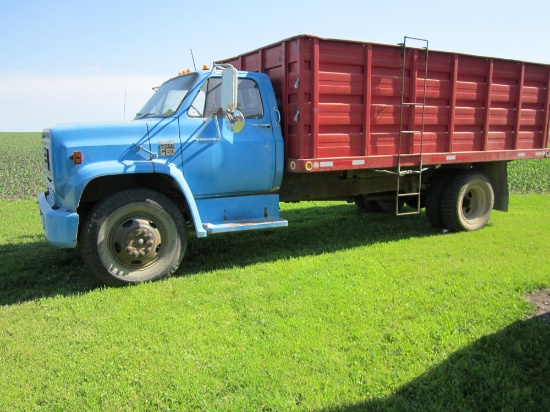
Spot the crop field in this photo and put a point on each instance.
(21, 173)
(21, 159)
(341, 311)
(529, 175)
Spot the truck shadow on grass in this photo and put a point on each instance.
(33, 269)
(311, 231)
(508, 370)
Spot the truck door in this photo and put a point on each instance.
(217, 161)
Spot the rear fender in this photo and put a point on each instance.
(497, 172)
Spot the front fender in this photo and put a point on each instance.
(86, 173)
(175, 173)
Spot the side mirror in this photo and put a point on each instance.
(235, 121)
(229, 89)
(230, 83)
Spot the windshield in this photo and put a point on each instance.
(168, 97)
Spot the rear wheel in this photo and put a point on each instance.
(412, 201)
(433, 197)
(467, 201)
(369, 206)
(133, 236)
(388, 206)
(378, 206)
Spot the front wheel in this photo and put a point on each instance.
(133, 236)
(467, 201)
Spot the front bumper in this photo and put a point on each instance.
(60, 226)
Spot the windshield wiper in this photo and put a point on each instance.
(142, 116)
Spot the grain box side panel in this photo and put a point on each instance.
(439, 110)
(385, 100)
(534, 108)
(298, 115)
(341, 101)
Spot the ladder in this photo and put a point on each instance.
(413, 189)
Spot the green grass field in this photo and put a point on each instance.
(341, 311)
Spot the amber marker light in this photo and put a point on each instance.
(77, 157)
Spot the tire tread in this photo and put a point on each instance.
(106, 206)
(450, 211)
(433, 197)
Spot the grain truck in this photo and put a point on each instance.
(389, 128)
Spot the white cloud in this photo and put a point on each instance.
(31, 101)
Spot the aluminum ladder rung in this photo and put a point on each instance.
(415, 212)
(409, 194)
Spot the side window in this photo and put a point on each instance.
(208, 100)
(213, 96)
(197, 107)
(250, 100)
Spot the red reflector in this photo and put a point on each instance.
(77, 158)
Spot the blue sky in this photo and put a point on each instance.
(71, 61)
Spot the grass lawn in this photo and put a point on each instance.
(340, 311)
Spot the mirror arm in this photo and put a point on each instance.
(219, 67)
(203, 127)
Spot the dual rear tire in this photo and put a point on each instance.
(459, 200)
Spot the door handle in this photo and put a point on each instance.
(262, 125)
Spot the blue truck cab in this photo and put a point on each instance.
(204, 154)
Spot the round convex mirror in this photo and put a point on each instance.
(235, 121)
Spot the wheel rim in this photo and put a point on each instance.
(135, 242)
(474, 203)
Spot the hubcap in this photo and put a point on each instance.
(136, 242)
(473, 203)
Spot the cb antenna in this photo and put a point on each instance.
(125, 88)
(192, 57)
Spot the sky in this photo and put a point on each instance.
(80, 61)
